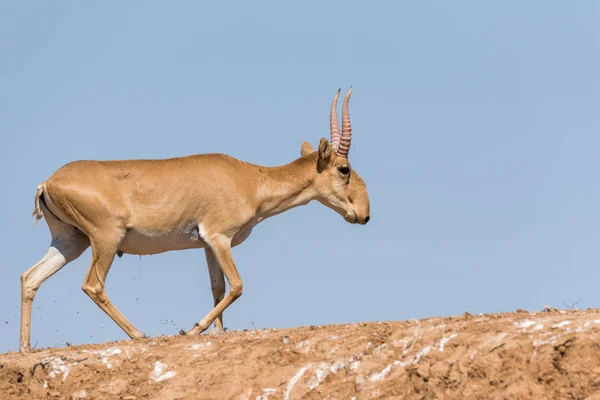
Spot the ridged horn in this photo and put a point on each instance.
(346, 138)
(334, 128)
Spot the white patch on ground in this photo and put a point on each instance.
(246, 396)
(538, 327)
(336, 366)
(108, 352)
(266, 393)
(199, 346)
(45, 384)
(321, 372)
(405, 342)
(58, 367)
(354, 366)
(421, 354)
(303, 343)
(495, 339)
(543, 342)
(597, 321)
(446, 340)
(294, 380)
(105, 354)
(82, 394)
(128, 354)
(525, 324)
(334, 350)
(561, 324)
(160, 372)
(378, 376)
(401, 363)
(334, 338)
(586, 325)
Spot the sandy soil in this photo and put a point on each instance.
(549, 354)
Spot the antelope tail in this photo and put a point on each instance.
(37, 211)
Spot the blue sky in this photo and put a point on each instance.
(475, 124)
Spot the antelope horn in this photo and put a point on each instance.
(333, 123)
(344, 147)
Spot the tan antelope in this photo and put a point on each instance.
(209, 201)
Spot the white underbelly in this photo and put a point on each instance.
(145, 243)
(141, 243)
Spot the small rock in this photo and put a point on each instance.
(285, 339)
(214, 331)
(130, 397)
(54, 394)
(79, 395)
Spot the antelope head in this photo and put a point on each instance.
(337, 185)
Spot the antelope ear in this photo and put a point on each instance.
(324, 155)
(306, 149)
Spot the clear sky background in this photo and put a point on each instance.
(476, 128)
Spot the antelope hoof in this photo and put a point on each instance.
(197, 329)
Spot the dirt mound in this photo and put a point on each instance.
(544, 355)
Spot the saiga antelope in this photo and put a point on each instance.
(209, 201)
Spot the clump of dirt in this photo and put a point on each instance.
(552, 354)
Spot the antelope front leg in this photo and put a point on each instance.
(221, 249)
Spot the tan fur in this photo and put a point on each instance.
(209, 201)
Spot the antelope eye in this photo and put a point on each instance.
(344, 170)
